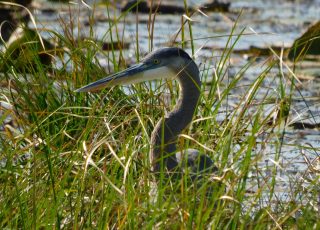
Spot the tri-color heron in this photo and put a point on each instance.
(167, 63)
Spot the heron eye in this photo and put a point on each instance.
(156, 61)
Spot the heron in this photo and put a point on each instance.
(167, 63)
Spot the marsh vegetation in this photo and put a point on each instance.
(74, 160)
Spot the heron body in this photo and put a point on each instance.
(168, 63)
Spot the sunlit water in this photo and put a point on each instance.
(264, 24)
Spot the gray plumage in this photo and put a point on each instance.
(167, 63)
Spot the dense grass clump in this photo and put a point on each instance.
(86, 161)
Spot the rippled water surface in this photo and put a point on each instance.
(264, 24)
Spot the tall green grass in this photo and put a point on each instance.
(90, 165)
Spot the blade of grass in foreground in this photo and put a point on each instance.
(90, 166)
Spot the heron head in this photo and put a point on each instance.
(164, 63)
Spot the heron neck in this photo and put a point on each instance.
(165, 134)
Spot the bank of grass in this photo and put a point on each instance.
(90, 165)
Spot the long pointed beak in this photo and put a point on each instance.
(130, 75)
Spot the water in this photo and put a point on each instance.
(265, 24)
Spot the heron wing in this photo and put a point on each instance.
(196, 161)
